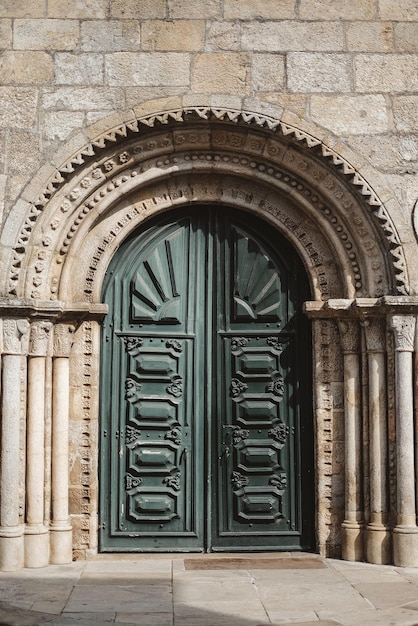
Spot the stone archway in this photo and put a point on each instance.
(57, 257)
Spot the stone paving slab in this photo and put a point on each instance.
(162, 592)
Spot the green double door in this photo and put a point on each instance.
(206, 437)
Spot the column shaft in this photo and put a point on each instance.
(353, 525)
(405, 534)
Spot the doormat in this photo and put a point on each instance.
(254, 563)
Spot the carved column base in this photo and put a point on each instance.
(61, 544)
(378, 544)
(405, 546)
(352, 541)
(11, 549)
(36, 545)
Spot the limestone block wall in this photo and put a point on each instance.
(351, 68)
(345, 72)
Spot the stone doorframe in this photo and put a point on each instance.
(57, 244)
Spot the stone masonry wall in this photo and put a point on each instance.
(349, 67)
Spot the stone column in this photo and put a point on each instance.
(378, 535)
(11, 528)
(405, 533)
(36, 532)
(61, 530)
(353, 524)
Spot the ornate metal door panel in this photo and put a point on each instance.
(202, 382)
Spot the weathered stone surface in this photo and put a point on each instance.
(5, 33)
(110, 36)
(60, 124)
(391, 153)
(268, 72)
(129, 69)
(384, 73)
(220, 73)
(23, 151)
(22, 8)
(82, 69)
(292, 36)
(406, 37)
(223, 35)
(405, 113)
(190, 9)
(179, 35)
(370, 36)
(83, 98)
(78, 9)
(406, 10)
(316, 72)
(144, 9)
(330, 10)
(26, 67)
(256, 9)
(45, 34)
(351, 115)
(18, 107)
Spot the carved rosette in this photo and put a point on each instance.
(350, 336)
(39, 338)
(374, 331)
(403, 328)
(15, 334)
(63, 339)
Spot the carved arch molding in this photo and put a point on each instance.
(198, 156)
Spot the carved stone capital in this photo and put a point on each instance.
(374, 331)
(15, 335)
(350, 335)
(63, 339)
(403, 327)
(39, 338)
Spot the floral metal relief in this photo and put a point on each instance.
(132, 389)
(132, 481)
(176, 387)
(133, 344)
(237, 387)
(238, 480)
(239, 434)
(174, 435)
(173, 481)
(238, 342)
(275, 342)
(279, 433)
(279, 481)
(276, 386)
(174, 345)
(132, 434)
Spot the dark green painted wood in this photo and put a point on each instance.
(207, 429)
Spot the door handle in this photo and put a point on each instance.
(183, 454)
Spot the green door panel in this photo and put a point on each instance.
(207, 432)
